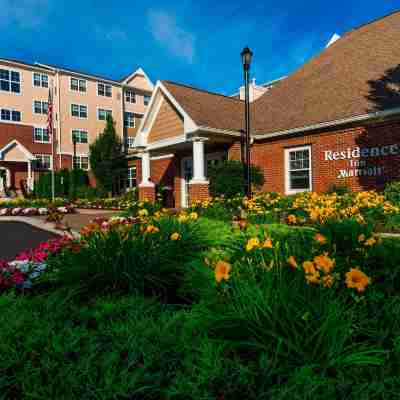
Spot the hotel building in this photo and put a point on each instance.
(81, 103)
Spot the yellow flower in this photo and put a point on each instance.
(361, 238)
(268, 244)
(292, 219)
(292, 262)
(370, 242)
(252, 243)
(313, 278)
(157, 215)
(152, 229)
(324, 262)
(183, 217)
(356, 279)
(320, 238)
(327, 281)
(143, 213)
(194, 216)
(175, 236)
(222, 270)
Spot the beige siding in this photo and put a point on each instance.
(168, 123)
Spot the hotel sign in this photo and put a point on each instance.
(360, 159)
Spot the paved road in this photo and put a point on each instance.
(18, 236)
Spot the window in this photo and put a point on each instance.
(43, 161)
(41, 135)
(129, 120)
(10, 81)
(78, 85)
(131, 177)
(78, 111)
(146, 99)
(40, 80)
(298, 169)
(81, 136)
(40, 107)
(10, 115)
(130, 96)
(104, 90)
(130, 142)
(81, 162)
(102, 114)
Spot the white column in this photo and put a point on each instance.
(146, 170)
(30, 186)
(198, 161)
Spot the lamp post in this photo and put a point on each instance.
(247, 55)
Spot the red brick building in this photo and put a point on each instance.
(336, 120)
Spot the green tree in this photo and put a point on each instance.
(107, 159)
(227, 178)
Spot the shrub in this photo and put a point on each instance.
(392, 192)
(227, 178)
(339, 189)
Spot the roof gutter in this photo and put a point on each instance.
(358, 118)
(222, 131)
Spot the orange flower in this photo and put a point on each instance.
(268, 244)
(222, 270)
(361, 238)
(356, 279)
(324, 262)
(320, 238)
(292, 262)
(152, 229)
(313, 278)
(292, 219)
(370, 242)
(309, 267)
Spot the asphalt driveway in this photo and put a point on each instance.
(16, 237)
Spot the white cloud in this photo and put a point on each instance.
(165, 30)
(25, 13)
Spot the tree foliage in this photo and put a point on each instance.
(107, 159)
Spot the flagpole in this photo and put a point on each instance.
(52, 142)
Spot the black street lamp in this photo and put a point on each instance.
(247, 55)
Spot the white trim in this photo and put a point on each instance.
(11, 110)
(184, 192)
(10, 92)
(166, 142)
(223, 131)
(162, 157)
(41, 106)
(80, 105)
(134, 119)
(79, 156)
(287, 170)
(357, 118)
(41, 80)
(15, 142)
(132, 91)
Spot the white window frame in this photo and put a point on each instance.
(130, 178)
(130, 142)
(10, 110)
(144, 99)
(80, 131)
(105, 85)
(41, 107)
(41, 80)
(134, 120)
(130, 91)
(107, 110)
(43, 129)
(79, 163)
(51, 161)
(10, 71)
(78, 90)
(79, 106)
(289, 150)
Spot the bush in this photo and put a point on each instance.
(392, 192)
(338, 189)
(227, 178)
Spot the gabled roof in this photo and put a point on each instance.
(347, 79)
(15, 143)
(208, 109)
(139, 72)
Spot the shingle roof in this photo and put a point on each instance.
(351, 77)
(345, 80)
(208, 109)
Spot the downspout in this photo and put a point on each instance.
(59, 117)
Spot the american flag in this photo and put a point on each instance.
(50, 115)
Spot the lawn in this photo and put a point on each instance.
(230, 300)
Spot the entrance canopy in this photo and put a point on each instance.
(14, 151)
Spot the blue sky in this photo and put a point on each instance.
(193, 42)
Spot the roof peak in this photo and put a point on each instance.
(200, 90)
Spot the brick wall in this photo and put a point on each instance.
(269, 156)
(198, 192)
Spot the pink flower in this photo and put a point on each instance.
(17, 277)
